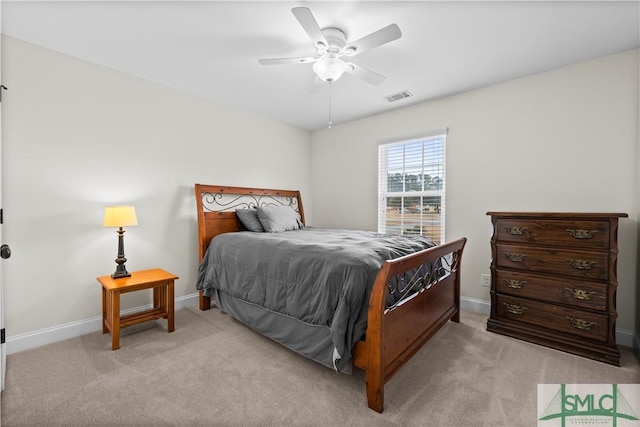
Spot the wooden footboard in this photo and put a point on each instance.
(395, 334)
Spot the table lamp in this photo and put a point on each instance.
(120, 216)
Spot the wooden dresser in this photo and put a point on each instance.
(554, 280)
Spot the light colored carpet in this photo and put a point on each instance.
(214, 371)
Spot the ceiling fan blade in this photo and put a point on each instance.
(278, 61)
(384, 35)
(365, 74)
(310, 25)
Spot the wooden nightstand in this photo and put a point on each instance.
(162, 283)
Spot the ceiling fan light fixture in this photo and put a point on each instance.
(330, 68)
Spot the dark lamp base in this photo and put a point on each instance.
(120, 275)
(121, 270)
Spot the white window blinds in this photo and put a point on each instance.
(411, 187)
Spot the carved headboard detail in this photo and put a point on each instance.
(217, 205)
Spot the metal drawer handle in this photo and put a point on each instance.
(581, 234)
(515, 257)
(516, 231)
(580, 264)
(514, 284)
(580, 294)
(514, 308)
(584, 325)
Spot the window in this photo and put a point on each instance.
(411, 187)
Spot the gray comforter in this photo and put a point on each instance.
(318, 276)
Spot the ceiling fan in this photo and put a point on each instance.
(332, 49)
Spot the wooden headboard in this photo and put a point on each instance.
(217, 204)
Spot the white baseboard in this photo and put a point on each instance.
(475, 305)
(42, 337)
(624, 337)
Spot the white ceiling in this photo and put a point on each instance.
(211, 48)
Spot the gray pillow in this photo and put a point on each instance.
(249, 218)
(279, 218)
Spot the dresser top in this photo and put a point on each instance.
(560, 214)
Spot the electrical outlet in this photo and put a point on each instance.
(485, 280)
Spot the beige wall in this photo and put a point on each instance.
(565, 140)
(78, 137)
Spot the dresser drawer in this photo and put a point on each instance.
(587, 234)
(576, 293)
(554, 317)
(581, 264)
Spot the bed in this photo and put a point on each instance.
(381, 298)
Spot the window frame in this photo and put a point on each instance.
(426, 164)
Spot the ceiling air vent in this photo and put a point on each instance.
(398, 96)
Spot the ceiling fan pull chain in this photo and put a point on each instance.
(330, 122)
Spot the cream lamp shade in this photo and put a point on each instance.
(120, 216)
